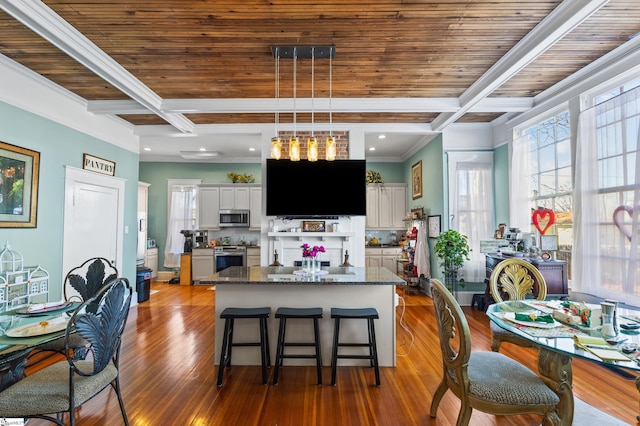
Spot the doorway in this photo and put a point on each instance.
(93, 218)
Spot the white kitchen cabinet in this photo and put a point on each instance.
(208, 200)
(386, 206)
(253, 256)
(255, 210)
(202, 264)
(382, 256)
(235, 197)
(151, 261)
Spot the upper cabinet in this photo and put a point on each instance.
(386, 206)
(215, 197)
(255, 207)
(234, 197)
(208, 200)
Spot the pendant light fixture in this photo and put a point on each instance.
(294, 143)
(312, 143)
(331, 142)
(276, 143)
(303, 52)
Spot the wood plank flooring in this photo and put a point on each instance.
(168, 376)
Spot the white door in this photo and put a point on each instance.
(93, 218)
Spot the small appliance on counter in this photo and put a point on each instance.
(188, 240)
(200, 238)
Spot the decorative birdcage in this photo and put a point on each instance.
(10, 260)
(20, 286)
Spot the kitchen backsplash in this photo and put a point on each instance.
(237, 236)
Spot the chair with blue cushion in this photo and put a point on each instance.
(58, 390)
(514, 279)
(487, 381)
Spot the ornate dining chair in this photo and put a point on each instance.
(80, 284)
(64, 386)
(514, 279)
(487, 381)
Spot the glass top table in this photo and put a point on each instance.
(557, 346)
(14, 350)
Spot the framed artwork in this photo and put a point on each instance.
(313, 226)
(416, 180)
(417, 213)
(434, 226)
(19, 168)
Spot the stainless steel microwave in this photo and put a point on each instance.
(234, 218)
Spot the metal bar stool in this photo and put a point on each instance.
(298, 313)
(357, 313)
(230, 315)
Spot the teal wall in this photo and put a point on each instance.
(390, 172)
(157, 174)
(433, 187)
(501, 184)
(60, 146)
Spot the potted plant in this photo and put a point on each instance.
(453, 250)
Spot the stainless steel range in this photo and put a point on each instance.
(226, 256)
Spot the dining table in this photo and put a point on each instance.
(23, 329)
(558, 343)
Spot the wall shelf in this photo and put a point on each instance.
(300, 236)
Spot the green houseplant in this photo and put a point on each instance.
(453, 250)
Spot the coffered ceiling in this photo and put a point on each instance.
(204, 68)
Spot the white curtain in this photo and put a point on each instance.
(519, 185)
(607, 200)
(473, 212)
(181, 202)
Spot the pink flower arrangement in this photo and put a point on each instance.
(308, 251)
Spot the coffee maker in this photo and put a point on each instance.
(188, 240)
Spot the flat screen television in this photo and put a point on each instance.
(316, 189)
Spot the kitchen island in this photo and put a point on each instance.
(339, 287)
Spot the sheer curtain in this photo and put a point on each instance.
(181, 216)
(519, 188)
(473, 211)
(607, 200)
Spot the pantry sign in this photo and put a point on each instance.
(99, 165)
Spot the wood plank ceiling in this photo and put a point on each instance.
(207, 49)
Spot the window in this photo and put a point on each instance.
(546, 179)
(471, 206)
(181, 215)
(608, 175)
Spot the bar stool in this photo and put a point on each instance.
(354, 313)
(298, 313)
(230, 315)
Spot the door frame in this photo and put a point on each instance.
(74, 175)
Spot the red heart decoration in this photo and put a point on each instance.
(541, 215)
(618, 219)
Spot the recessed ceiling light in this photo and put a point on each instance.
(202, 149)
(373, 148)
(382, 136)
(252, 149)
(147, 149)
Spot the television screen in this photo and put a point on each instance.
(320, 188)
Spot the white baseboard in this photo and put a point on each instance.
(165, 275)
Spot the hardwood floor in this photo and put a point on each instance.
(168, 376)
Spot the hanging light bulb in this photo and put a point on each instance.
(331, 142)
(331, 148)
(294, 149)
(276, 148)
(294, 143)
(312, 149)
(276, 144)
